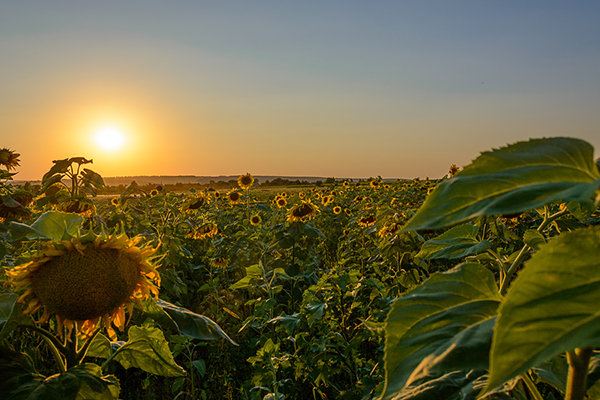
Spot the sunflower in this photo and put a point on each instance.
(337, 210)
(234, 196)
(301, 195)
(208, 229)
(255, 220)
(84, 281)
(302, 211)
(346, 184)
(325, 200)
(453, 170)
(366, 221)
(114, 201)
(245, 181)
(281, 202)
(196, 202)
(9, 158)
(154, 192)
(216, 194)
(348, 211)
(80, 205)
(219, 262)
(374, 183)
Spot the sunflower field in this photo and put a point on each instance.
(483, 284)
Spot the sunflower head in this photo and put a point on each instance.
(219, 262)
(9, 158)
(302, 211)
(255, 220)
(281, 202)
(325, 200)
(245, 181)
(154, 192)
(85, 280)
(337, 210)
(374, 183)
(234, 196)
(453, 170)
(366, 221)
(198, 201)
(80, 205)
(114, 201)
(208, 229)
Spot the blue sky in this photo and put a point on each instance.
(328, 88)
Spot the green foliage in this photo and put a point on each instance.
(513, 179)
(444, 325)
(480, 285)
(551, 307)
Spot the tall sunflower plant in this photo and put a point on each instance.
(77, 294)
(523, 324)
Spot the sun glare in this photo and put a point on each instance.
(109, 138)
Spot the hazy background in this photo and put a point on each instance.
(327, 88)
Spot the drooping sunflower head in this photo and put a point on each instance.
(219, 262)
(9, 158)
(85, 280)
(245, 181)
(206, 230)
(366, 221)
(198, 201)
(255, 220)
(302, 211)
(79, 205)
(234, 196)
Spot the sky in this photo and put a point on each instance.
(397, 89)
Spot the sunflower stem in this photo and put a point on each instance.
(71, 354)
(533, 390)
(83, 351)
(578, 360)
(548, 219)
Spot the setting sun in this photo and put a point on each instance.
(109, 138)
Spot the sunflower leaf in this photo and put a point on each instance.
(148, 350)
(57, 225)
(430, 329)
(512, 179)
(457, 242)
(11, 314)
(551, 307)
(194, 325)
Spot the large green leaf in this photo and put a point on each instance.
(457, 385)
(513, 179)
(194, 325)
(551, 307)
(93, 385)
(148, 350)
(11, 314)
(83, 382)
(19, 377)
(457, 242)
(53, 225)
(445, 323)
(58, 225)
